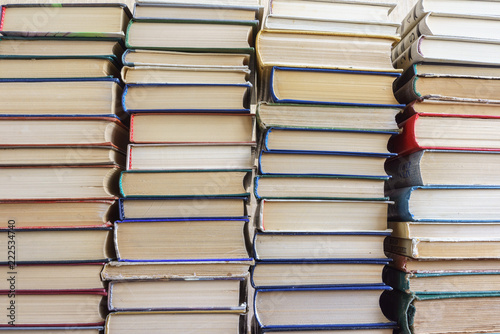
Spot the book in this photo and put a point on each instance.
(430, 107)
(62, 131)
(60, 213)
(194, 207)
(411, 265)
(280, 115)
(319, 246)
(61, 277)
(61, 155)
(458, 8)
(443, 167)
(141, 57)
(335, 330)
(285, 22)
(441, 283)
(200, 11)
(192, 128)
(448, 88)
(189, 156)
(12, 46)
(443, 49)
(449, 24)
(123, 271)
(276, 215)
(70, 97)
(319, 187)
(444, 230)
(318, 140)
(184, 75)
(445, 133)
(336, 87)
(294, 309)
(434, 248)
(53, 308)
(18, 68)
(59, 182)
(417, 313)
(82, 20)
(334, 9)
(179, 183)
(156, 322)
(186, 97)
(268, 274)
(444, 203)
(308, 163)
(302, 48)
(215, 294)
(183, 240)
(191, 35)
(57, 245)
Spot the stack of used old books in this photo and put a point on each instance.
(182, 241)
(446, 184)
(62, 146)
(325, 115)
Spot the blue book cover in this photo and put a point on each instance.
(193, 92)
(274, 89)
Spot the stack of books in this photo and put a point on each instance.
(325, 115)
(445, 222)
(181, 243)
(62, 149)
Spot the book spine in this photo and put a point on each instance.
(396, 279)
(398, 306)
(405, 171)
(405, 141)
(410, 56)
(401, 246)
(422, 28)
(408, 92)
(400, 209)
(2, 17)
(407, 112)
(412, 18)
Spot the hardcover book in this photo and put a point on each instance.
(182, 183)
(328, 86)
(82, 20)
(319, 187)
(308, 163)
(186, 97)
(443, 167)
(317, 140)
(280, 215)
(360, 246)
(418, 313)
(189, 156)
(302, 48)
(122, 271)
(282, 115)
(182, 240)
(444, 203)
(191, 35)
(52, 330)
(446, 133)
(156, 322)
(214, 294)
(460, 283)
(192, 128)
(58, 97)
(184, 207)
(60, 213)
(57, 245)
(54, 308)
(451, 230)
(279, 274)
(294, 309)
